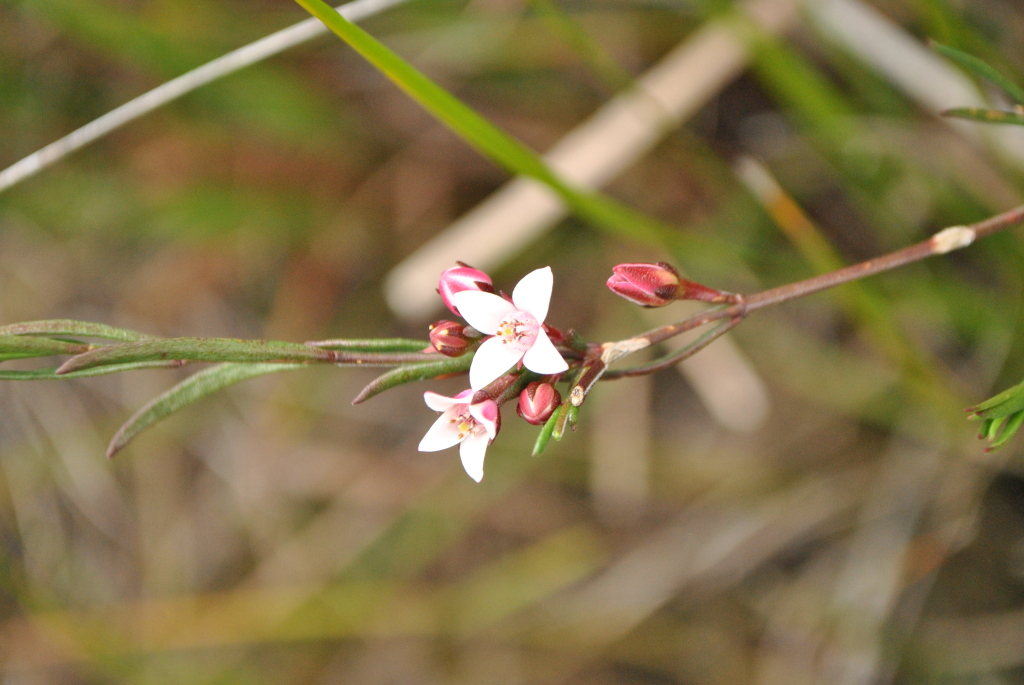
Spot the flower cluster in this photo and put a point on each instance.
(516, 354)
(514, 337)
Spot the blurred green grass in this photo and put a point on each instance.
(279, 535)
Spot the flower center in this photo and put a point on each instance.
(518, 329)
(466, 423)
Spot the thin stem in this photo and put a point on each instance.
(211, 71)
(941, 243)
(679, 355)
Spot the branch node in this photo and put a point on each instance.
(952, 238)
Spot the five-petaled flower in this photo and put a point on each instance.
(517, 327)
(471, 426)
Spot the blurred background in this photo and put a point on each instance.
(803, 503)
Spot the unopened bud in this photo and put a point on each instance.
(459, 278)
(450, 338)
(538, 402)
(656, 285)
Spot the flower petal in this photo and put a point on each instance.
(440, 402)
(543, 357)
(492, 360)
(472, 451)
(533, 293)
(486, 414)
(482, 310)
(442, 435)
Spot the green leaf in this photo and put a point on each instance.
(988, 116)
(488, 139)
(983, 69)
(198, 349)
(85, 329)
(408, 374)
(1002, 415)
(190, 390)
(545, 433)
(377, 345)
(50, 374)
(17, 347)
(1007, 431)
(568, 414)
(1005, 403)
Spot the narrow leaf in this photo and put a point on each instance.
(1013, 424)
(50, 374)
(1005, 403)
(18, 347)
(988, 116)
(983, 69)
(408, 374)
(379, 345)
(567, 415)
(190, 390)
(198, 349)
(57, 327)
(487, 138)
(544, 437)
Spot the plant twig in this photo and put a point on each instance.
(947, 240)
(679, 355)
(943, 242)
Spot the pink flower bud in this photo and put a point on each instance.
(449, 338)
(459, 278)
(655, 285)
(538, 402)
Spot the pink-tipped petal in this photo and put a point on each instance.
(442, 435)
(482, 310)
(472, 451)
(440, 402)
(492, 359)
(533, 293)
(543, 357)
(486, 414)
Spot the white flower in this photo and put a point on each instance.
(471, 426)
(516, 327)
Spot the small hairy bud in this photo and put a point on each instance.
(656, 285)
(460, 278)
(538, 402)
(450, 338)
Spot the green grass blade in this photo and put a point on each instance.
(190, 390)
(604, 66)
(488, 139)
(988, 116)
(983, 69)
(56, 327)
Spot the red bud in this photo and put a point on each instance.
(655, 285)
(538, 402)
(459, 278)
(449, 338)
